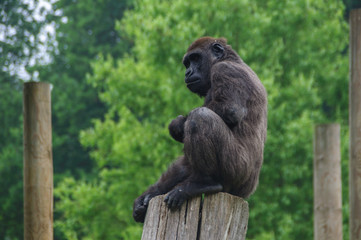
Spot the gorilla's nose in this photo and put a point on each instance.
(189, 72)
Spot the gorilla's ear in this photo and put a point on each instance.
(217, 50)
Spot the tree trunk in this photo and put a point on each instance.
(355, 124)
(38, 162)
(219, 216)
(327, 183)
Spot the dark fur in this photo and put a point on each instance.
(223, 139)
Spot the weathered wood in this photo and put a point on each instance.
(38, 162)
(327, 183)
(355, 125)
(219, 216)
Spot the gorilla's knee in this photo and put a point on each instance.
(202, 121)
(202, 114)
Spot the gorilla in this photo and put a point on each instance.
(224, 139)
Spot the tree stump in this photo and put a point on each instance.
(327, 183)
(218, 216)
(38, 162)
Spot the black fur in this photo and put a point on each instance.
(223, 139)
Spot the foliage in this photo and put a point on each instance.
(83, 30)
(19, 45)
(355, 3)
(80, 36)
(11, 150)
(298, 49)
(351, 4)
(19, 34)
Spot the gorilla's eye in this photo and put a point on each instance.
(217, 50)
(194, 57)
(217, 47)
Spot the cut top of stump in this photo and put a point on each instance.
(218, 216)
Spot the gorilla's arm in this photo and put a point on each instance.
(175, 174)
(229, 93)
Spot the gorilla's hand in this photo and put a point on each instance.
(176, 128)
(140, 207)
(176, 198)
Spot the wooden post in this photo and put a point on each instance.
(38, 162)
(355, 125)
(327, 183)
(219, 216)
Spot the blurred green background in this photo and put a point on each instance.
(117, 78)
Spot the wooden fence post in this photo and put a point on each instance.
(327, 183)
(218, 216)
(355, 125)
(38, 162)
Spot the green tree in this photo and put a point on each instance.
(84, 29)
(20, 25)
(298, 50)
(11, 150)
(19, 45)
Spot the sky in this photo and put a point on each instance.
(41, 8)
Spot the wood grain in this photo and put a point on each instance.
(38, 162)
(220, 216)
(327, 183)
(355, 125)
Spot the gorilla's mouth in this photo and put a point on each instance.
(193, 81)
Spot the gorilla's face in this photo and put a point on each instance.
(198, 65)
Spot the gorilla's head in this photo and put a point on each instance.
(199, 59)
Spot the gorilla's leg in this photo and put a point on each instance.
(210, 150)
(175, 174)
